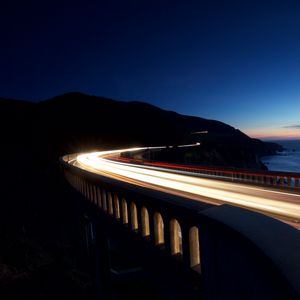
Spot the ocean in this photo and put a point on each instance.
(287, 160)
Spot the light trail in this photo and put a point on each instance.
(279, 204)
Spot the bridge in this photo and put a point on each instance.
(207, 232)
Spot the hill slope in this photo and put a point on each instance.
(76, 122)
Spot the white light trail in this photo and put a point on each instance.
(277, 203)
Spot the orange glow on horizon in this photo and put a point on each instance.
(274, 134)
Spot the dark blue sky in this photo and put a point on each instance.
(235, 61)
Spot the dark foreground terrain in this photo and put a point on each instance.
(43, 253)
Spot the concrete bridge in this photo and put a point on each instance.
(196, 249)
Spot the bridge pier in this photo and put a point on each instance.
(95, 243)
(249, 271)
(102, 262)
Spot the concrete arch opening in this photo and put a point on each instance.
(85, 188)
(104, 200)
(90, 192)
(99, 197)
(175, 237)
(124, 212)
(116, 207)
(194, 249)
(158, 229)
(81, 186)
(134, 217)
(110, 204)
(145, 222)
(95, 194)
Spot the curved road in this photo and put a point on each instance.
(279, 204)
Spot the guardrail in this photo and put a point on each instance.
(236, 253)
(267, 178)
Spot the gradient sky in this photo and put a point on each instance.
(234, 61)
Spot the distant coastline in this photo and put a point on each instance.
(287, 160)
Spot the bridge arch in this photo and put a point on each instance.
(175, 237)
(124, 212)
(94, 195)
(116, 207)
(133, 216)
(110, 204)
(84, 188)
(99, 197)
(158, 229)
(89, 186)
(145, 222)
(104, 200)
(194, 248)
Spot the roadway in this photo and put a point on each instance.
(283, 205)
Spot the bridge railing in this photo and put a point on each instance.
(238, 254)
(274, 179)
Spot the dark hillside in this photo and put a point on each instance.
(76, 122)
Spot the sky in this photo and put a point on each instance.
(233, 61)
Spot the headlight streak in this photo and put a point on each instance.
(269, 201)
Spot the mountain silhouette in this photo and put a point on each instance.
(76, 122)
